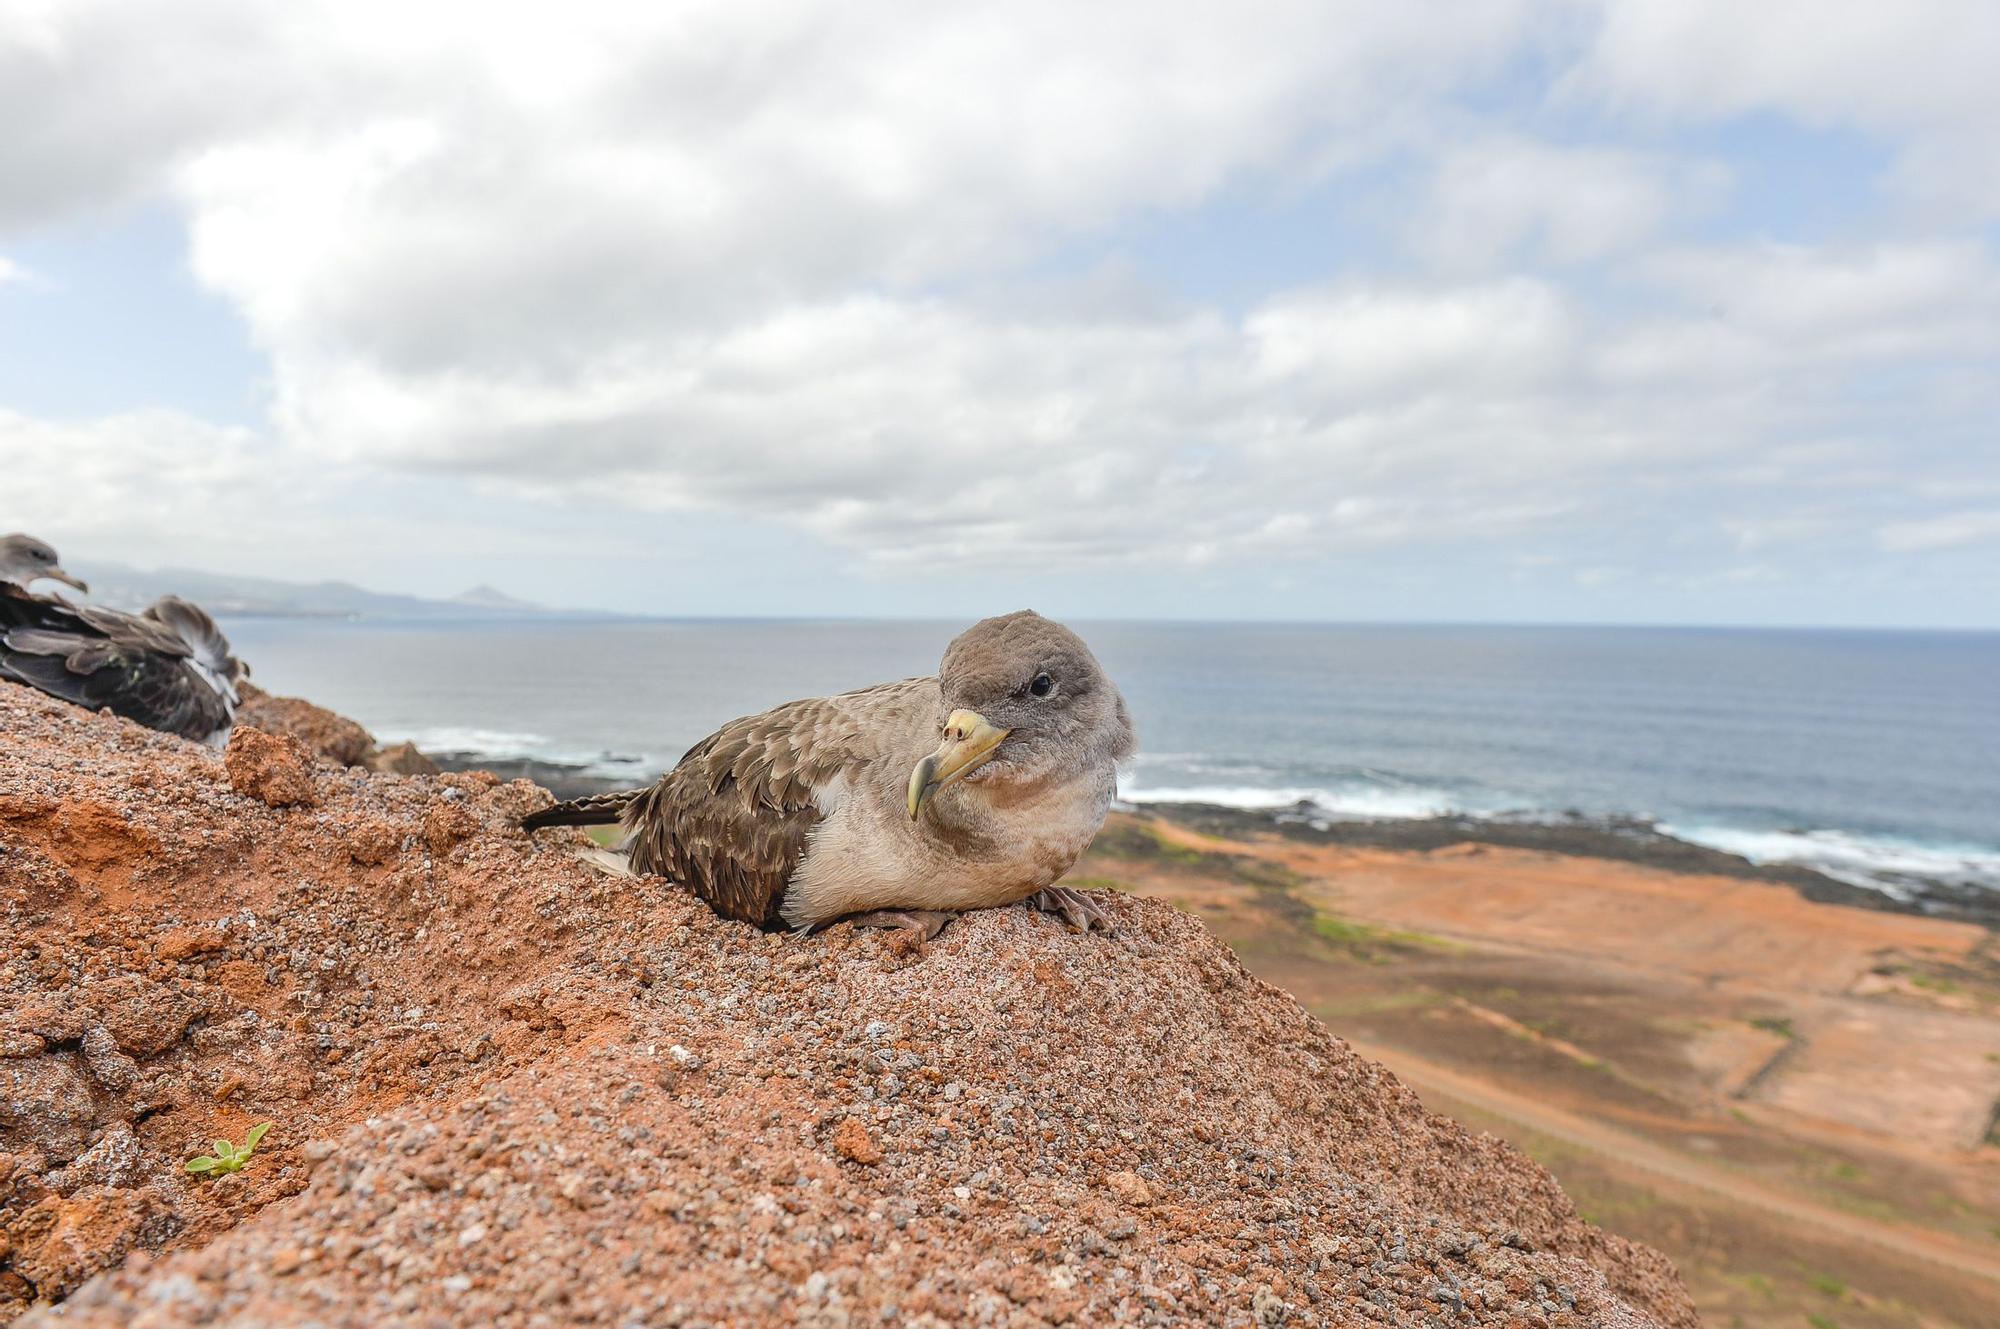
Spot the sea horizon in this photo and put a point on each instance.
(546, 614)
(1862, 753)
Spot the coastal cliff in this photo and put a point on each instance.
(506, 1089)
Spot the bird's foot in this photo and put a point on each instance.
(1077, 910)
(927, 923)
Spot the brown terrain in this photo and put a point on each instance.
(505, 1088)
(1794, 1100)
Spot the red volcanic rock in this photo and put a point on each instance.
(852, 1142)
(328, 736)
(400, 759)
(508, 1089)
(333, 737)
(272, 768)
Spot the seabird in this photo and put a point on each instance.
(898, 805)
(169, 668)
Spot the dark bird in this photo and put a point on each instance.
(899, 805)
(169, 668)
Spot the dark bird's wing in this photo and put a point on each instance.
(137, 667)
(206, 646)
(732, 820)
(591, 810)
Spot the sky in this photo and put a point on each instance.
(1681, 311)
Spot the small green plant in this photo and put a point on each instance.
(228, 1157)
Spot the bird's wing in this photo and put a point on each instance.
(590, 810)
(731, 821)
(101, 658)
(191, 625)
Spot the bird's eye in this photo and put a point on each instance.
(1040, 687)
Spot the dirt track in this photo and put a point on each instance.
(1440, 1087)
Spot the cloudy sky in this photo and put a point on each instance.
(1653, 310)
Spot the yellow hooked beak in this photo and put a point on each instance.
(968, 741)
(54, 573)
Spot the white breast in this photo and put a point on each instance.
(868, 854)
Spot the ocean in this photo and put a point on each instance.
(1873, 757)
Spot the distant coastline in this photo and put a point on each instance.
(1847, 767)
(1617, 839)
(227, 595)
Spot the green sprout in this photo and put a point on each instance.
(229, 1157)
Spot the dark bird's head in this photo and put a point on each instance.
(23, 559)
(1024, 700)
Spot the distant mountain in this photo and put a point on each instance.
(125, 587)
(492, 597)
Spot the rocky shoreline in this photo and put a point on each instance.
(562, 779)
(1618, 839)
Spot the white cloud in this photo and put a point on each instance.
(1855, 62)
(1948, 291)
(1355, 344)
(759, 260)
(148, 478)
(677, 165)
(1916, 73)
(1751, 311)
(1490, 199)
(1942, 532)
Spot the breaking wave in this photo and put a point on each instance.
(508, 745)
(1355, 804)
(1879, 863)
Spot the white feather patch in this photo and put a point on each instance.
(610, 861)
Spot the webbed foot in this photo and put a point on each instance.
(1078, 911)
(927, 923)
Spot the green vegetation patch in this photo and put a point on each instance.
(1369, 941)
(228, 1157)
(1139, 842)
(1973, 978)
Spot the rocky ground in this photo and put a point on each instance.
(1795, 1100)
(507, 1089)
(330, 737)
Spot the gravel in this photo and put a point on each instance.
(510, 1090)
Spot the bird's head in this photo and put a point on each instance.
(24, 559)
(1024, 699)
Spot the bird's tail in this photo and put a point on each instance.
(595, 810)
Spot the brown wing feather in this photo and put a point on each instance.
(731, 821)
(590, 810)
(96, 657)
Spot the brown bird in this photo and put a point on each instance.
(899, 805)
(169, 668)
